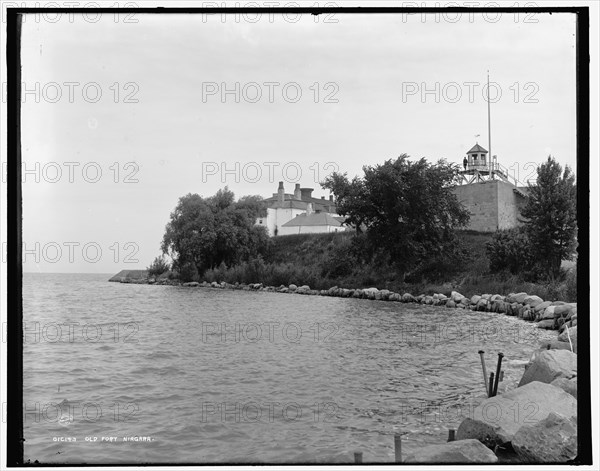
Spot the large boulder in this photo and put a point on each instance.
(517, 298)
(533, 301)
(475, 299)
(457, 452)
(497, 419)
(546, 324)
(547, 365)
(552, 440)
(541, 306)
(482, 304)
(456, 296)
(567, 385)
(562, 309)
(548, 313)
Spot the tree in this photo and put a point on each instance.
(550, 216)
(205, 232)
(408, 208)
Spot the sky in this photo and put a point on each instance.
(122, 118)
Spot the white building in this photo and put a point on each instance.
(284, 207)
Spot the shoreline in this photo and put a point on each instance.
(550, 315)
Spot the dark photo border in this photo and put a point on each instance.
(15, 438)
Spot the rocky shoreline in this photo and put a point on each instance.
(536, 422)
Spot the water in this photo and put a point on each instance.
(212, 376)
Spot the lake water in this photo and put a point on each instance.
(220, 376)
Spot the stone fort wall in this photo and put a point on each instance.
(493, 205)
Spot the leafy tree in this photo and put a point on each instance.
(158, 266)
(550, 216)
(407, 208)
(205, 232)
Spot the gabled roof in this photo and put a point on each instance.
(313, 219)
(477, 148)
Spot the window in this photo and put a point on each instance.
(260, 221)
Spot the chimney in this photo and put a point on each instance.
(297, 192)
(306, 193)
(322, 197)
(280, 194)
(309, 209)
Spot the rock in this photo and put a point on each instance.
(527, 315)
(457, 452)
(552, 440)
(499, 306)
(456, 296)
(556, 345)
(475, 299)
(497, 419)
(567, 385)
(547, 365)
(481, 305)
(533, 301)
(564, 337)
(191, 284)
(541, 306)
(547, 324)
(547, 313)
(450, 303)
(292, 287)
(562, 310)
(517, 298)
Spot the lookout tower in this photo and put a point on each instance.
(479, 167)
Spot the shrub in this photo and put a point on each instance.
(158, 266)
(188, 272)
(509, 250)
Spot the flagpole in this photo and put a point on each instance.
(489, 125)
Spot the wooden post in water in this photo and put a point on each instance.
(451, 435)
(491, 387)
(485, 384)
(498, 370)
(398, 448)
(358, 457)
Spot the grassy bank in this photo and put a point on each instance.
(325, 260)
